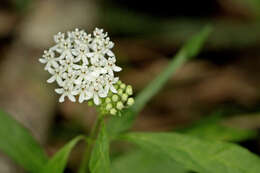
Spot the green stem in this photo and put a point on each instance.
(93, 135)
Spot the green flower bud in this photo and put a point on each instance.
(124, 97)
(119, 105)
(129, 90)
(122, 86)
(113, 111)
(120, 92)
(116, 87)
(109, 106)
(108, 100)
(130, 101)
(115, 98)
(119, 82)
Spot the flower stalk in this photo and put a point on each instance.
(84, 166)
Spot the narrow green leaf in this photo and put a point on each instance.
(141, 161)
(58, 162)
(199, 155)
(189, 50)
(18, 143)
(99, 161)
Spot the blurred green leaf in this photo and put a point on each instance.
(141, 161)
(189, 50)
(228, 33)
(99, 161)
(198, 155)
(18, 143)
(212, 128)
(22, 5)
(58, 162)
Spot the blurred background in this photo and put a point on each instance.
(224, 78)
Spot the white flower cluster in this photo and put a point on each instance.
(82, 64)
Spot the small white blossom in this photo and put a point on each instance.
(82, 64)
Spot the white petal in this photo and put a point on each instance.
(85, 60)
(75, 92)
(55, 64)
(107, 88)
(90, 54)
(71, 97)
(51, 79)
(59, 80)
(59, 90)
(51, 71)
(81, 97)
(102, 94)
(61, 99)
(78, 81)
(42, 60)
(96, 99)
(88, 95)
(115, 79)
(110, 53)
(102, 70)
(112, 88)
(75, 66)
(116, 68)
(74, 52)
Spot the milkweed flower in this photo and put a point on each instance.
(84, 65)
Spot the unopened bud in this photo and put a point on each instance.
(130, 101)
(115, 98)
(113, 111)
(124, 97)
(122, 86)
(108, 100)
(120, 92)
(119, 105)
(129, 90)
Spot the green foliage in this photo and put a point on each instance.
(212, 128)
(190, 49)
(198, 155)
(18, 143)
(100, 162)
(141, 161)
(58, 162)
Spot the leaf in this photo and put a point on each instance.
(212, 128)
(99, 161)
(58, 162)
(199, 155)
(141, 161)
(18, 143)
(189, 50)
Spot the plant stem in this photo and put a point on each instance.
(84, 167)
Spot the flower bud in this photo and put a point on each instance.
(113, 111)
(129, 90)
(122, 86)
(119, 82)
(119, 105)
(115, 98)
(120, 92)
(130, 101)
(124, 97)
(109, 106)
(108, 100)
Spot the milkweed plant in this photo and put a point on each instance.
(84, 65)
(84, 68)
